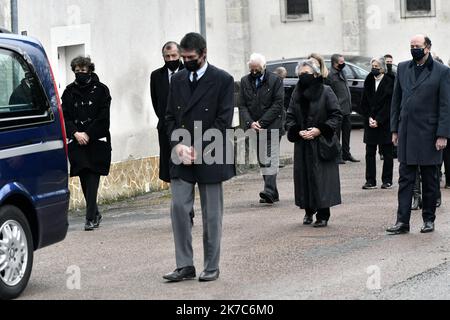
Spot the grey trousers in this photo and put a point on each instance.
(269, 162)
(211, 198)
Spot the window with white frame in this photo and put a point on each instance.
(296, 10)
(418, 8)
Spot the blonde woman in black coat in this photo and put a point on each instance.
(376, 108)
(313, 117)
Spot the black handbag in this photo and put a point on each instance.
(329, 149)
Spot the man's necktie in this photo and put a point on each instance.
(194, 81)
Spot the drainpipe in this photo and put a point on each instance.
(202, 14)
(14, 17)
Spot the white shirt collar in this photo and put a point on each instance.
(169, 72)
(200, 72)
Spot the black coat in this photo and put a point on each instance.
(420, 112)
(377, 105)
(317, 182)
(87, 109)
(339, 83)
(159, 90)
(265, 104)
(212, 104)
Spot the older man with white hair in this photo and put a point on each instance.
(261, 107)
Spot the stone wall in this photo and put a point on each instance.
(126, 179)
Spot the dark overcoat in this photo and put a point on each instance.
(159, 91)
(87, 109)
(420, 112)
(377, 105)
(264, 104)
(317, 182)
(339, 84)
(212, 106)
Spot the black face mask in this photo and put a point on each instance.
(83, 78)
(192, 65)
(173, 65)
(376, 72)
(342, 66)
(256, 75)
(389, 68)
(418, 54)
(306, 80)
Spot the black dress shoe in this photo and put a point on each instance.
(386, 186)
(89, 226)
(428, 227)
(340, 161)
(351, 159)
(187, 273)
(321, 224)
(399, 228)
(98, 220)
(267, 197)
(209, 275)
(307, 220)
(416, 203)
(369, 186)
(262, 201)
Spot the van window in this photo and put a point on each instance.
(22, 100)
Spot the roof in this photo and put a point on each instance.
(19, 38)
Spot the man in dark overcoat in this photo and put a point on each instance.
(201, 101)
(420, 123)
(159, 87)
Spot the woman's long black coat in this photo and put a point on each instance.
(377, 105)
(87, 109)
(317, 182)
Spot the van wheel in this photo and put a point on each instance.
(16, 252)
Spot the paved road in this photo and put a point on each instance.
(267, 253)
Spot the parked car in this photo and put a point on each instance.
(34, 194)
(357, 70)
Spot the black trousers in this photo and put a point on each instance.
(346, 129)
(430, 191)
(89, 183)
(447, 164)
(371, 163)
(322, 214)
(417, 191)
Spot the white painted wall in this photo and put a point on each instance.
(276, 39)
(394, 33)
(216, 33)
(5, 14)
(124, 39)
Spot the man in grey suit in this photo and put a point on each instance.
(420, 123)
(339, 84)
(201, 97)
(261, 100)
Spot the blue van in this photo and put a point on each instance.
(34, 194)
